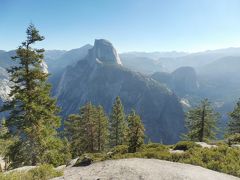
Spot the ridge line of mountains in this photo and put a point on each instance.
(160, 86)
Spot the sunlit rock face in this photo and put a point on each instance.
(4, 85)
(44, 67)
(104, 52)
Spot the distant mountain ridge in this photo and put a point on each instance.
(66, 58)
(215, 72)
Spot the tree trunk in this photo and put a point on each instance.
(201, 135)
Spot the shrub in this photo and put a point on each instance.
(43, 172)
(155, 147)
(234, 139)
(93, 157)
(120, 149)
(185, 145)
(58, 153)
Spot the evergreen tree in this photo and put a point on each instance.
(82, 131)
(73, 132)
(234, 122)
(135, 132)
(89, 125)
(102, 129)
(118, 125)
(201, 122)
(32, 112)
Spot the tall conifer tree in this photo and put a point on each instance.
(88, 120)
(118, 125)
(102, 128)
(234, 122)
(74, 133)
(201, 122)
(88, 130)
(33, 115)
(135, 132)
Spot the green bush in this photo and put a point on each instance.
(234, 139)
(155, 147)
(43, 172)
(58, 152)
(223, 159)
(95, 157)
(185, 145)
(121, 149)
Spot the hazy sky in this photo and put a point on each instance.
(131, 25)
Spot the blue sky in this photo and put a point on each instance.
(131, 25)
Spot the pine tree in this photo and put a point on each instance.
(73, 132)
(135, 132)
(32, 112)
(118, 125)
(201, 122)
(5, 141)
(89, 124)
(81, 130)
(102, 129)
(234, 122)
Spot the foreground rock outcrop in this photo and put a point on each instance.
(143, 169)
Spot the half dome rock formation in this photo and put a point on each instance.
(104, 52)
(100, 78)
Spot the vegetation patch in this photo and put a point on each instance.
(43, 172)
(222, 158)
(185, 145)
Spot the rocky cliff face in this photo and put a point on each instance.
(4, 85)
(182, 81)
(104, 52)
(100, 77)
(4, 88)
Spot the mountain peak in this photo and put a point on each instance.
(104, 52)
